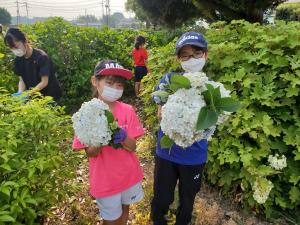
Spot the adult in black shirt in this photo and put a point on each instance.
(33, 66)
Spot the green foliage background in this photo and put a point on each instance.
(35, 158)
(288, 12)
(76, 50)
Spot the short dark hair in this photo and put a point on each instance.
(139, 41)
(14, 34)
(197, 48)
(114, 79)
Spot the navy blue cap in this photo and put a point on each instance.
(191, 38)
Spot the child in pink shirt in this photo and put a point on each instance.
(115, 174)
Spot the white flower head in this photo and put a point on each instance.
(90, 123)
(276, 162)
(180, 115)
(197, 79)
(261, 188)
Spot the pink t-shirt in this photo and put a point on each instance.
(115, 170)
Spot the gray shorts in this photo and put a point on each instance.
(111, 207)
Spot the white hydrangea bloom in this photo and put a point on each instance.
(276, 162)
(179, 117)
(262, 188)
(197, 79)
(90, 123)
(223, 90)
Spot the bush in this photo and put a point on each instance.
(35, 160)
(288, 12)
(261, 65)
(7, 78)
(76, 50)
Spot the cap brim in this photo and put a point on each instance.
(127, 74)
(190, 43)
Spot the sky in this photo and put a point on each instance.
(69, 9)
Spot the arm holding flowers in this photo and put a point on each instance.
(92, 151)
(121, 137)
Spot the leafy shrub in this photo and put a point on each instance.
(261, 65)
(35, 160)
(76, 50)
(288, 12)
(7, 78)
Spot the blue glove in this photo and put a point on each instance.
(17, 94)
(120, 136)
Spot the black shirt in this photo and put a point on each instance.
(32, 69)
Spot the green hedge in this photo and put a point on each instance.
(261, 65)
(75, 51)
(35, 158)
(7, 78)
(288, 12)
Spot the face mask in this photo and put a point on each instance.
(111, 94)
(193, 65)
(19, 52)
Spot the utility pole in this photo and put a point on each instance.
(26, 6)
(107, 7)
(86, 19)
(18, 12)
(102, 3)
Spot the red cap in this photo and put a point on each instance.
(111, 67)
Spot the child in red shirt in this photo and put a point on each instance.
(140, 56)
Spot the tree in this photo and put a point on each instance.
(176, 12)
(5, 16)
(113, 20)
(87, 19)
(140, 13)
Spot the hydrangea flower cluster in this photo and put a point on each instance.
(262, 188)
(182, 109)
(91, 125)
(276, 162)
(197, 80)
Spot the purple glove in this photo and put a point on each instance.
(120, 136)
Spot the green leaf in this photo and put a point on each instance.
(31, 201)
(227, 104)
(7, 218)
(109, 116)
(179, 81)
(5, 190)
(294, 194)
(163, 95)
(166, 142)
(206, 118)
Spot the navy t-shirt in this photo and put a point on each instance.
(196, 154)
(32, 69)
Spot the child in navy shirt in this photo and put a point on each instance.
(178, 164)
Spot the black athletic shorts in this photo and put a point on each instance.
(139, 73)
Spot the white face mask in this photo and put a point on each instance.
(19, 52)
(193, 65)
(111, 94)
